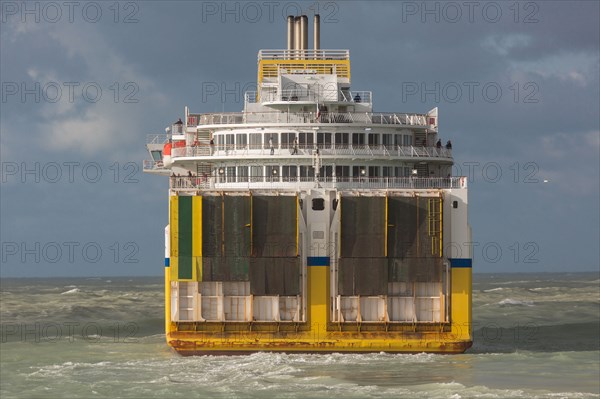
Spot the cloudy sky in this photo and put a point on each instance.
(83, 83)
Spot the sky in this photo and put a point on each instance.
(83, 84)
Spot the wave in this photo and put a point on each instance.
(71, 291)
(515, 302)
(529, 336)
(494, 289)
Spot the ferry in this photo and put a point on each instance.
(309, 223)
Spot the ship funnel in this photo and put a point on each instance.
(304, 31)
(317, 32)
(290, 32)
(297, 37)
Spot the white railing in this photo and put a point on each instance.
(157, 138)
(304, 54)
(356, 96)
(379, 118)
(195, 183)
(150, 164)
(299, 94)
(287, 151)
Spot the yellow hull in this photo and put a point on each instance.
(210, 338)
(318, 331)
(193, 343)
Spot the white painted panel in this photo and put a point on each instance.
(265, 308)
(237, 308)
(289, 308)
(349, 308)
(401, 309)
(372, 308)
(211, 307)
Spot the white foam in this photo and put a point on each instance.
(515, 302)
(73, 291)
(494, 289)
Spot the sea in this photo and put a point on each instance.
(535, 336)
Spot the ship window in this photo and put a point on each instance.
(272, 173)
(402, 171)
(318, 234)
(408, 140)
(326, 171)
(318, 204)
(342, 172)
(229, 141)
(287, 139)
(272, 136)
(230, 174)
(387, 140)
(398, 140)
(241, 140)
(289, 172)
(387, 171)
(341, 140)
(242, 172)
(256, 173)
(454, 204)
(220, 142)
(306, 140)
(156, 155)
(373, 171)
(324, 140)
(307, 173)
(374, 139)
(358, 139)
(255, 141)
(358, 171)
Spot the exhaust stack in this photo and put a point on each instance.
(317, 32)
(304, 31)
(297, 37)
(290, 32)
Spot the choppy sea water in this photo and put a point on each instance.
(536, 336)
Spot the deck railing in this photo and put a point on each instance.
(318, 54)
(378, 118)
(150, 164)
(310, 150)
(300, 94)
(195, 183)
(157, 138)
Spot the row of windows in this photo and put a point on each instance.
(292, 172)
(324, 139)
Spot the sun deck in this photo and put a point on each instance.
(264, 118)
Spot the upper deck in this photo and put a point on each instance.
(205, 121)
(303, 121)
(273, 63)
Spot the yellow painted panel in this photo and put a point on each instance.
(174, 268)
(197, 238)
(167, 299)
(318, 298)
(174, 225)
(197, 272)
(270, 68)
(461, 302)
(197, 226)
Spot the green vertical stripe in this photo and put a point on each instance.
(185, 237)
